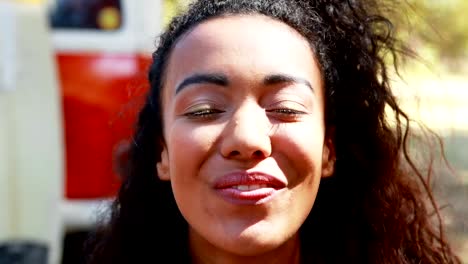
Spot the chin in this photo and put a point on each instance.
(255, 241)
(251, 247)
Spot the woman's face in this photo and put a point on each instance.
(245, 145)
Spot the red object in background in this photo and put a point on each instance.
(101, 94)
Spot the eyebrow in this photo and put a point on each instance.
(222, 80)
(286, 78)
(213, 78)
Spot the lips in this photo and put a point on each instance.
(248, 188)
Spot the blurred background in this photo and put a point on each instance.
(72, 77)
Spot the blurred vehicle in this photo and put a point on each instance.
(102, 50)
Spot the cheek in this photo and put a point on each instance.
(189, 147)
(303, 146)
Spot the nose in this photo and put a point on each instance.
(247, 135)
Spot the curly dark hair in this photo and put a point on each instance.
(376, 208)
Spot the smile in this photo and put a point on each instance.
(248, 188)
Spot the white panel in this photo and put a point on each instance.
(7, 86)
(5, 203)
(32, 130)
(8, 52)
(150, 25)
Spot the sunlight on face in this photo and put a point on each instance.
(243, 105)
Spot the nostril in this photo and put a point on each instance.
(258, 154)
(234, 153)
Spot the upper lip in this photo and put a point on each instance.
(248, 178)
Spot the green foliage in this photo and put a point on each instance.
(437, 29)
(172, 7)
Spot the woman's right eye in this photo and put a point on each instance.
(207, 113)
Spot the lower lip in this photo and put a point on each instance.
(254, 197)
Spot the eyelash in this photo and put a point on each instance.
(286, 113)
(204, 113)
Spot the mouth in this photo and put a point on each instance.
(248, 188)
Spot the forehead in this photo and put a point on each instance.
(230, 44)
(241, 29)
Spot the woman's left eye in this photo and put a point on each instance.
(286, 114)
(287, 110)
